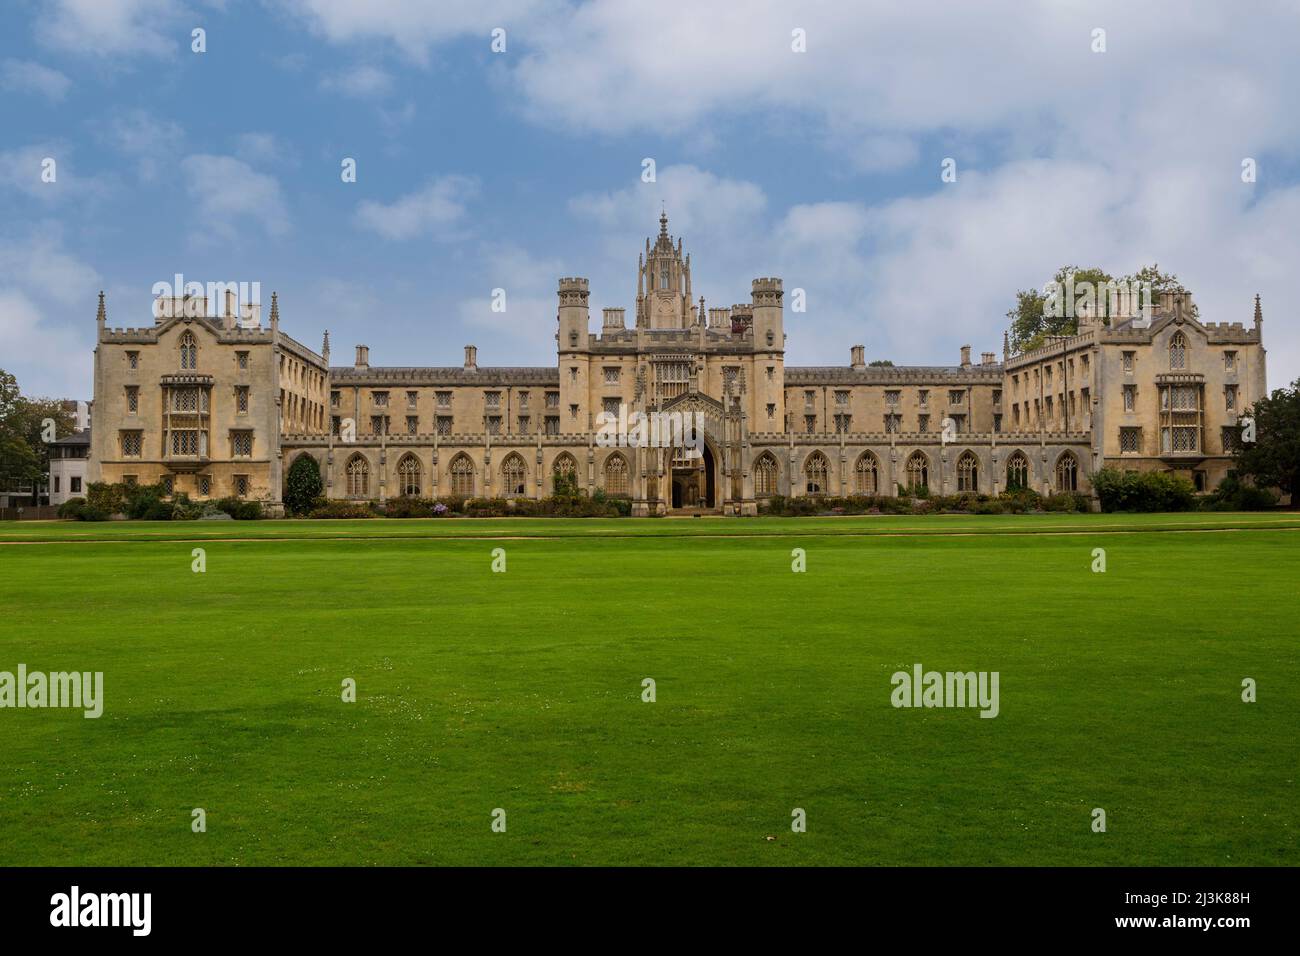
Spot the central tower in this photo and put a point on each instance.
(663, 284)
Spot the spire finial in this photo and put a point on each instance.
(663, 224)
(1259, 312)
(102, 316)
(325, 350)
(275, 309)
(703, 315)
(1006, 346)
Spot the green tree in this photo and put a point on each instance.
(24, 452)
(1035, 316)
(302, 486)
(881, 363)
(1273, 459)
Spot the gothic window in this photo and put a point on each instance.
(1130, 440)
(358, 474)
(765, 476)
(1017, 472)
(866, 475)
(616, 475)
(968, 472)
(565, 471)
(241, 444)
(918, 471)
(462, 476)
(1067, 472)
(816, 470)
(131, 444)
(513, 476)
(408, 476)
(1178, 351)
(189, 352)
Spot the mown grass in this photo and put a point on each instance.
(522, 690)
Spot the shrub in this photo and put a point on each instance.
(105, 498)
(239, 509)
(1143, 491)
(341, 509)
(302, 486)
(72, 508)
(1235, 495)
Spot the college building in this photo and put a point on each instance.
(222, 404)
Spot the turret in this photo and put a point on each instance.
(573, 315)
(769, 328)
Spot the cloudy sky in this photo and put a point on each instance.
(479, 169)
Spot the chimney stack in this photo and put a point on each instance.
(363, 356)
(965, 356)
(858, 354)
(986, 358)
(231, 319)
(471, 358)
(613, 318)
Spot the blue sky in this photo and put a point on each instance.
(479, 170)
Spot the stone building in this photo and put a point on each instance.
(223, 405)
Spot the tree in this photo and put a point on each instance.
(24, 451)
(1273, 458)
(881, 363)
(302, 486)
(1036, 316)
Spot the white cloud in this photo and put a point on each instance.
(47, 299)
(228, 195)
(435, 210)
(359, 82)
(263, 148)
(150, 143)
(415, 25)
(110, 28)
(26, 76)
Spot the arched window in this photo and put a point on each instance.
(968, 472)
(816, 470)
(1178, 351)
(866, 475)
(189, 352)
(765, 476)
(462, 476)
(616, 475)
(565, 473)
(408, 476)
(1017, 472)
(1067, 472)
(358, 472)
(514, 476)
(918, 471)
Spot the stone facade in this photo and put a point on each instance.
(222, 405)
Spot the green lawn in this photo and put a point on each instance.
(522, 691)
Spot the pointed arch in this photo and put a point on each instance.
(918, 471)
(564, 473)
(1067, 472)
(765, 475)
(1178, 351)
(462, 475)
(514, 476)
(358, 476)
(866, 474)
(408, 476)
(968, 472)
(1017, 471)
(816, 472)
(616, 475)
(189, 352)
